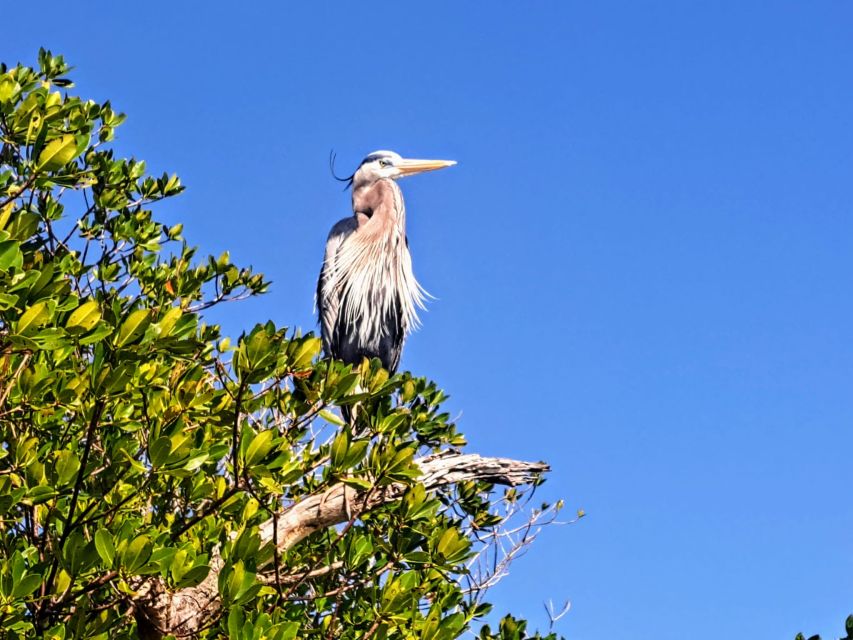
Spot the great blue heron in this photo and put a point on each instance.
(367, 294)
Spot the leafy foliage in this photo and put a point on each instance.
(136, 442)
(848, 624)
(512, 629)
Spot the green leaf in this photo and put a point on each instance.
(355, 454)
(59, 152)
(67, 466)
(447, 541)
(5, 214)
(196, 461)
(40, 494)
(84, 317)
(360, 550)
(339, 449)
(260, 446)
(159, 450)
(332, 418)
(8, 87)
(345, 385)
(10, 255)
(306, 352)
(26, 585)
(101, 331)
(55, 633)
(358, 483)
(7, 300)
(237, 579)
(105, 546)
(167, 322)
(235, 622)
(23, 225)
(133, 327)
(193, 577)
(18, 566)
(50, 339)
(35, 316)
(137, 553)
(75, 552)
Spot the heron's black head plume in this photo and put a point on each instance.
(348, 180)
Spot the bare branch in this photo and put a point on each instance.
(187, 611)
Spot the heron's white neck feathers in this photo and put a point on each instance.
(373, 265)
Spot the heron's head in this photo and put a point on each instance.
(387, 164)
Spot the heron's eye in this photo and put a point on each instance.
(384, 162)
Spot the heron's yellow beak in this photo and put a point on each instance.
(409, 167)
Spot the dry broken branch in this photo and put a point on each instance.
(185, 612)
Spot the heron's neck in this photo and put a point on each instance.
(379, 209)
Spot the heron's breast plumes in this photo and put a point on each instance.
(376, 282)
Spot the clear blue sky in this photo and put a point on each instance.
(643, 261)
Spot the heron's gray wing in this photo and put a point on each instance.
(329, 285)
(398, 323)
(392, 357)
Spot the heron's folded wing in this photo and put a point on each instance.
(329, 285)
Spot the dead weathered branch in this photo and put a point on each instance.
(185, 612)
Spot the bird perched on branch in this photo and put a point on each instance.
(367, 294)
